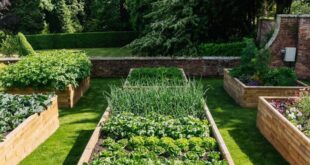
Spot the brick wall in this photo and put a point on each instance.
(265, 26)
(292, 31)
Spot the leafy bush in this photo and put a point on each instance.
(155, 125)
(155, 76)
(168, 101)
(25, 48)
(14, 109)
(254, 69)
(81, 40)
(53, 71)
(9, 46)
(221, 49)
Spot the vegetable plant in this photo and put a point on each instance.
(52, 71)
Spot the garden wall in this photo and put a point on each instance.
(264, 28)
(292, 31)
(29, 135)
(292, 144)
(81, 40)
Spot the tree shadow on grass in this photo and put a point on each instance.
(77, 149)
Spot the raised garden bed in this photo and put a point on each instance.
(150, 77)
(288, 140)
(95, 141)
(28, 135)
(66, 98)
(247, 96)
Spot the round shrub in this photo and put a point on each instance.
(51, 71)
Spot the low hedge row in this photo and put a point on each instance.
(81, 40)
(222, 49)
(52, 71)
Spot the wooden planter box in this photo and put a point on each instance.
(66, 98)
(87, 154)
(29, 135)
(127, 84)
(247, 96)
(291, 143)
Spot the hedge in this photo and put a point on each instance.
(221, 49)
(25, 48)
(81, 40)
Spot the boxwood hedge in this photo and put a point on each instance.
(53, 71)
(81, 40)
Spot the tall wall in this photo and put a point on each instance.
(292, 31)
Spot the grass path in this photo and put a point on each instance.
(101, 52)
(238, 128)
(76, 127)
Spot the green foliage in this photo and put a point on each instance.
(280, 77)
(81, 40)
(300, 7)
(168, 101)
(155, 76)
(175, 28)
(137, 11)
(25, 47)
(254, 68)
(9, 46)
(107, 15)
(221, 49)
(155, 125)
(14, 109)
(54, 71)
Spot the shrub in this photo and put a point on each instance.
(221, 49)
(155, 76)
(81, 40)
(53, 71)
(168, 101)
(14, 109)
(25, 48)
(9, 46)
(280, 77)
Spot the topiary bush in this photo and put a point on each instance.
(221, 49)
(51, 71)
(25, 48)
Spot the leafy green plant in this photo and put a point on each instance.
(221, 49)
(14, 109)
(9, 46)
(155, 76)
(52, 71)
(167, 101)
(25, 48)
(280, 77)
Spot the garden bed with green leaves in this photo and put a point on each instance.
(156, 125)
(63, 72)
(146, 77)
(25, 123)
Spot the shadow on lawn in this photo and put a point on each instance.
(78, 147)
(240, 124)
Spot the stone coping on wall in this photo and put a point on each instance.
(87, 154)
(29, 135)
(290, 142)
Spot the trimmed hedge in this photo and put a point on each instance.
(25, 47)
(222, 49)
(81, 40)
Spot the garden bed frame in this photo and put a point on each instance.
(291, 143)
(66, 98)
(247, 96)
(127, 84)
(87, 154)
(29, 135)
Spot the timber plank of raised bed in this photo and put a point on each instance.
(247, 96)
(66, 98)
(291, 143)
(87, 154)
(29, 135)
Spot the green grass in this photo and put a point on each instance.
(76, 127)
(238, 128)
(101, 52)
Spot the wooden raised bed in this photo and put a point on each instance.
(247, 96)
(291, 143)
(29, 135)
(87, 154)
(66, 98)
(127, 84)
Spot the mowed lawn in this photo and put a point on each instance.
(237, 126)
(101, 52)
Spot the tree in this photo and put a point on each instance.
(283, 6)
